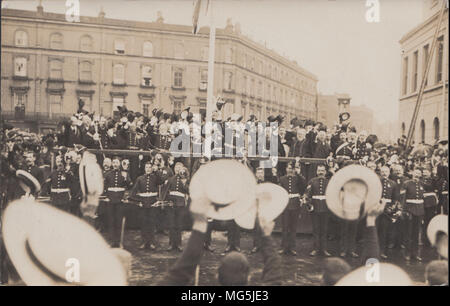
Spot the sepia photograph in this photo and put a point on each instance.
(204, 144)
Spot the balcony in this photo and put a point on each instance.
(34, 116)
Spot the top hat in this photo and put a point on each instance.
(44, 242)
(270, 202)
(352, 191)
(229, 185)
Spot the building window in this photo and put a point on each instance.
(56, 41)
(422, 131)
(119, 74)
(228, 81)
(86, 43)
(426, 55)
(439, 57)
(21, 39)
(203, 79)
(405, 75)
(178, 77)
(145, 107)
(87, 102)
(260, 89)
(55, 104)
(20, 67)
(204, 53)
(117, 101)
(147, 49)
(179, 51)
(178, 106)
(56, 69)
(20, 99)
(247, 86)
(403, 128)
(252, 88)
(415, 64)
(229, 55)
(85, 71)
(252, 64)
(146, 76)
(436, 128)
(119, 46)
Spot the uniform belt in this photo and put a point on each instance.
(148, 194)
(444, 192)
(343, 156)
(133, 147)
(59, 190)
(294, 195)
(386, 200)
(116, 189)
(177, 193)
(319, 197)
(429, 194)
(414, 201)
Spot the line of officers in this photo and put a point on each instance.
(162, 193)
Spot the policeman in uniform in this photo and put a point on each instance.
(115, 185)
(343, 150)
(295, 186)
(60, 181)
(178, 191)
(414, 210)
(430, 198)
(443, 188)
(315, 193)
(385, 222)
(145, 191)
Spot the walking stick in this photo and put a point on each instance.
(122, 232)
(197, 275)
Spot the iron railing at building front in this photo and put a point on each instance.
(34, 116)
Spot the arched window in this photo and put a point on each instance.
(146, 76)
(21, 39)
(86, 43)
(436, 128)
(422, 131)
(204, 53)
(56, 67)
(20, 66)
(85, 71)
(229, 55)
(119, 74)
(179, 51)
(56, 41)
(403, 128)
(147, 49)
(119, 46)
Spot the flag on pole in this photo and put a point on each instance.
(196, 15)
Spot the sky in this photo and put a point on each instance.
(330, 38)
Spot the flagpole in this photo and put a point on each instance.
(210, 90)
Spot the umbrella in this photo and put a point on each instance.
(422, 150)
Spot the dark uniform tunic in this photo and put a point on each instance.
(177, 194)
(60, 183)
(415, 208)
(430, 200)
(115, 186)
(145, 191)
(361, 149)
(390, 194)
(295, 185)
(344, 150)
(315, 193)
(443, 195)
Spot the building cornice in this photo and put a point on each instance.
(424, 24)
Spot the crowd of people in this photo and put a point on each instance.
(414, 182)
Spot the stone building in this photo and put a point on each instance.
(48, 63)
(432, 120)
